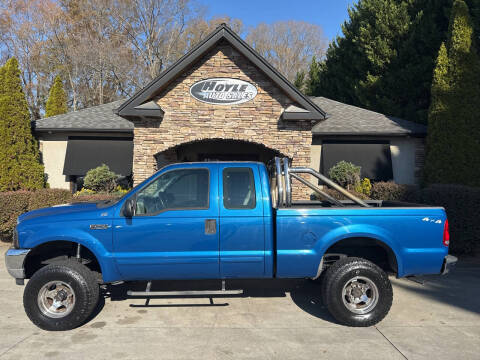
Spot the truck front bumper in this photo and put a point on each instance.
(14, 260)
(449, 263)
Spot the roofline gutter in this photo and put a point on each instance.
(417, 135)
(89, 130)
(301, 116)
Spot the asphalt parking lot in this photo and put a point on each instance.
(439, 319)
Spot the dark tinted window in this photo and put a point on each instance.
(176, 189)
(373, 156)
(238, 188)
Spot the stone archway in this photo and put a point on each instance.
(216, 150)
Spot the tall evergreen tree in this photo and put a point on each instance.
(453, 145)
(299, 81)
(385, 59)
(474, 6)
(406, 84)
(313, 81)
(356, 61)
(19, 158)
(57, 99)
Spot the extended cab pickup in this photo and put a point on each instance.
(223, 220)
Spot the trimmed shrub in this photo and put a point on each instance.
(100, 179)
(345, 174)
(364, 187)
(84, 192)
(388, 190)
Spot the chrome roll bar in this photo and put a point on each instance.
(288, 188)
(285, 195)
(278, 169)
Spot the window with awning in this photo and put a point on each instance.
(373, 156)
(85, 153)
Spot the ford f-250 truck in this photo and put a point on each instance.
(224, 220)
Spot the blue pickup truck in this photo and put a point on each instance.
(225, 220)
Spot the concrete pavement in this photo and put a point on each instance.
(437, 320)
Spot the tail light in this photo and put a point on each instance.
(446, 234)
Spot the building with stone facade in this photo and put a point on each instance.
(223, 101)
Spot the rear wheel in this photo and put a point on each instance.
(61, 296)
(357, 292)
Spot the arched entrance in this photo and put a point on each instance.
(216, 150)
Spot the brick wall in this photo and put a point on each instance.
(187, 119)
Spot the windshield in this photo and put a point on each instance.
(161, 183)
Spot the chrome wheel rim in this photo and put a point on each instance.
(360, 295)
(56, 299)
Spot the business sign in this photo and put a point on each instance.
(223, 91)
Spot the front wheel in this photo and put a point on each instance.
(61, 296)
(357, 292)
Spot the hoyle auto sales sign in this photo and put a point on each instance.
(223, 91)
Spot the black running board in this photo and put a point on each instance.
(207, 293)
(185, 293)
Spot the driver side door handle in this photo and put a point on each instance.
(210, 226)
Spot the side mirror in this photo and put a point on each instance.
(129, 208)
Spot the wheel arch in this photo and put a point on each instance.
(53, 250)
(371, 236)
(371, 248)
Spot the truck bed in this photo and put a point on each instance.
(306, 230)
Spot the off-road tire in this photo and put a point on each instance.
(339, 274)
(83, 282)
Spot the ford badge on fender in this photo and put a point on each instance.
(223, 91)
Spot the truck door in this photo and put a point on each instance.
(174, 233)
(242, 234)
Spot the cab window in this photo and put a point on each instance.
(180, 189)
(238, 188)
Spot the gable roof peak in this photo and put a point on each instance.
(222, 32)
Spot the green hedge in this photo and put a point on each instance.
(48, 197)
(462, 204)
(96, 197)
(12, 204)
(15, 203)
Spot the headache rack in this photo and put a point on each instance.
(282, 175)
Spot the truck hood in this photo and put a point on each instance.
(64, 209)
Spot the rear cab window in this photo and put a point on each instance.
(239, 188)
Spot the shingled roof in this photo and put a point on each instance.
(343, 119)
(96, 118)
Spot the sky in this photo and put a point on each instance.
(329, 14)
